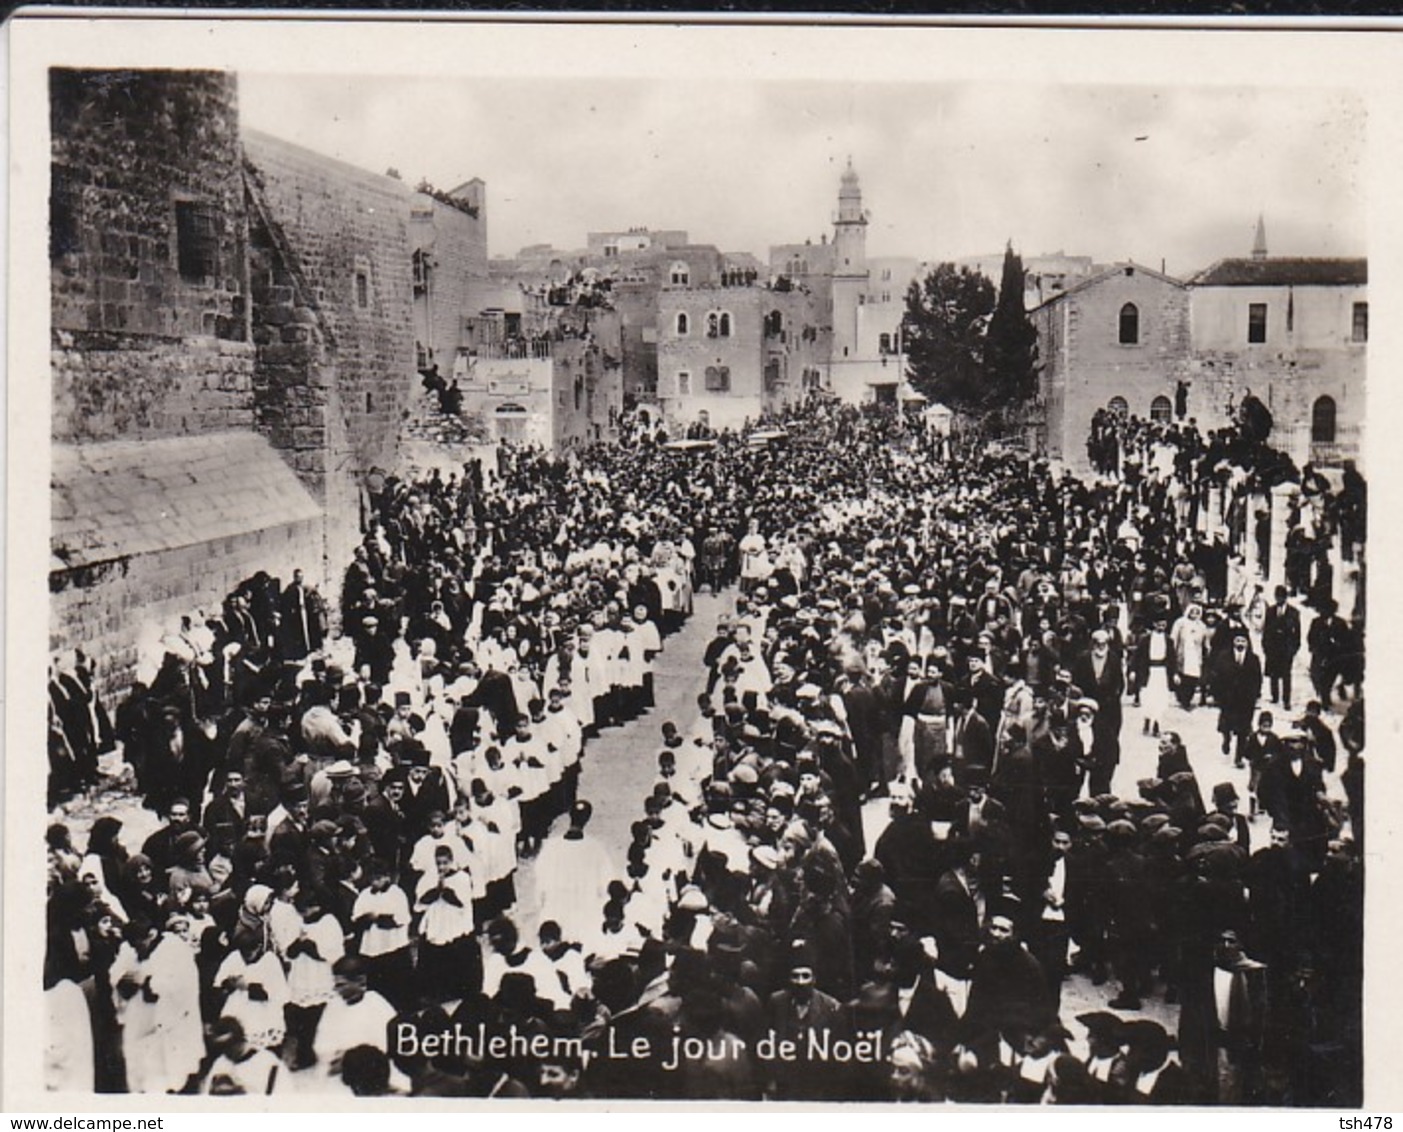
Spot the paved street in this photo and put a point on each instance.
(620, 765)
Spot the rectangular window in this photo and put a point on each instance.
(362, 289)
(1256, 322)
(1360, 331)
(196, 240)
(684, 384)
(718, 379)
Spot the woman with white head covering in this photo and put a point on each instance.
(252, 974)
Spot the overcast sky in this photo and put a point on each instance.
(1115, 172)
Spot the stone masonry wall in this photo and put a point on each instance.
(694, 351)
(108, 609)
(1086, 364)
(107, 386)
(456, 246)
(333, 323)
(149, 338)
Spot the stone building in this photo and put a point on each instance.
(164, 497)
(555, 389)
(233, 351)
(861, 302)
(1294, 332)
(1291, 331)
(333, 323)
(448, 240)
(1119, 339)
(730, 354)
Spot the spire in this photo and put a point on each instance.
(1259, 243)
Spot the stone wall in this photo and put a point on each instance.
(333, 323)
(147, 267)
(693, 352)
(147, 531)
(1085, 363)
(1309, 352)
(108, 385)
(454, 245)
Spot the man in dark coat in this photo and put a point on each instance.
(1292, 791)
(1222, 1025)
(1132, 915)
(910, 857)
(864, 712)
(426, 792)
(973, 742)
(1278, 883)
(1100, 674)
(1329, 640)
(1281, 641)
(1007, 990)
(956, 912)
(303, 622)
(1236, 681)
(1322, 738)
(796, 1012)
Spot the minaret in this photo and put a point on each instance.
(849, 265)
(1259, 243)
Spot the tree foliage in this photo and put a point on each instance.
(1011, 345)
(947, 314)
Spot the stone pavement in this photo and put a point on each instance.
(621, 764)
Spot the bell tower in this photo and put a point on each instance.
(850, 227)
(849, 266)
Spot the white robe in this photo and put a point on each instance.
(572, 884)
(163, 1041)
(68, 1052)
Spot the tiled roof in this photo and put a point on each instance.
(126, 498)
(1284, 271)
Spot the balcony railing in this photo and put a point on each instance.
(514, 349)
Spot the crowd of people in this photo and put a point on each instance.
(903, 818)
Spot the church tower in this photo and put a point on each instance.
(849, 265)
(1259, 242)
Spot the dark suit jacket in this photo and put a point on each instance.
(804, 1079)
(1106, 691)
(974, 745)
(956, 926)
(1281, 639)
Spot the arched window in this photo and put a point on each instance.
(579, 393)
(684, 325)
(713, 324)
(680, 275)
(1322, 421)
(1129, 325)
(725, 330)
(1119, 406)
(1161, 409)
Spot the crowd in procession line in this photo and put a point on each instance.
(958, 633)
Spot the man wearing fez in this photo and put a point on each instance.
(797, 1011)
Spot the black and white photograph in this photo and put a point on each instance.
(704, 563)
